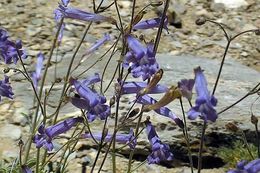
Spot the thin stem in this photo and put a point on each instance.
(132, 151)
(201, 146)
(69, 69)
(28, 146)
(186, 136)
(159, 32)
(100, 145)
(257, 140)
(108, 61)
(37, 160)
(132, 15)
(252, 91)
(221, 66)
(247, 145)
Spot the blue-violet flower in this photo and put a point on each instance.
(9, 50)
(36, 76)
(244, 167)
(141, 60)
(205, 102)
(160, 151)
(98, 44)
(151, 23)
(186, 86)
(128, 139)
(5, 88)
(89, 99)
(45, 135)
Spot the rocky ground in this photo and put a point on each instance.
(185, 46)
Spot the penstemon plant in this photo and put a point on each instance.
(136, 73)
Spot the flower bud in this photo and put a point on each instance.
(112, 101)
(134, 112)
(257, 31)
(200, 21)
(254, 119)
(6, 70)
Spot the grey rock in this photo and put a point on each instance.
(10, 131)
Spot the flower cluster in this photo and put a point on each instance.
(9, 50)
(90, 100)
(141, 60)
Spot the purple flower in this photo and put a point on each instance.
(160, 151)
(164, 111)
(36, 76)
(9, 49)
(244, 167)
(45, 135)
(204, 102)
(186, 86)
(128, 139)
(151, 23)
(65, 2)
(98, 44)
(5, 88)
(26, 169)
(136, 87)
(73, 13)
(89, 99)
(141, 60)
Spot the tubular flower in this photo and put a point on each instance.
(141, 60)
(136, 87)
(98, 44)
(205, 102)
(9, 50)
(128, 139)
(45, 135)
(160, 151)
(164, 111)
(26, 169)
(5, 88)
(89, 99)
(244, 167)
(73, 13)
(151, 23)
(36, 76)
(186, 86)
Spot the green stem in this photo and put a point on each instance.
(186, 136)
(132, 151)
(28, 146)
(201, 146)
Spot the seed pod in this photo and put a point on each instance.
(257, 32)
(254, 119)
(6, 70)
(200, 21)
(134, 112)
(156, 4)
(112, 101)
